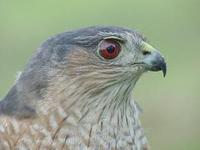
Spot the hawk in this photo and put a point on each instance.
(76, 92)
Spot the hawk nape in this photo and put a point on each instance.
(76, 92)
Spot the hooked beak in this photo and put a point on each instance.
(153, 60)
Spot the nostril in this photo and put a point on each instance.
(146, 52)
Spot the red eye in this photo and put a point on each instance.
(109, 49)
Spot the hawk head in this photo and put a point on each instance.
(92, 68)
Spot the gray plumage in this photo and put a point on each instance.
(66, 80)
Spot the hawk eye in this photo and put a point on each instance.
(109, 49)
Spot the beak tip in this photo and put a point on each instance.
(164, 69)
(156, 62)
(164, 74)
(159, 65)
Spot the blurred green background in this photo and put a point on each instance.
(171, 115)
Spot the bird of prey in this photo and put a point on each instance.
(76, 92)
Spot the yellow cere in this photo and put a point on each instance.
(147, 47)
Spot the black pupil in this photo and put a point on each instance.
(111, 49)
